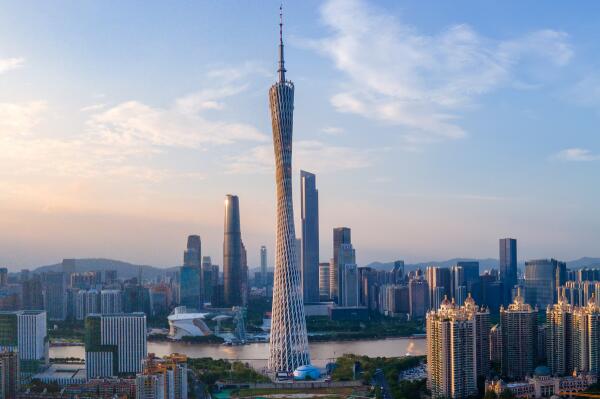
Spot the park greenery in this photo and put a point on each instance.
(210, 371)
(391, 366)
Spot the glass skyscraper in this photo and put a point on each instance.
(508, 266)
(309, 205)
(232, 253)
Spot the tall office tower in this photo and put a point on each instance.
(451, 352)
(559, 349)
(25, 331)
(542, 278)
(398, 272)
(508, 266)
(440, 283)
(289, 343)
(171, 371)
(471, 273)
(349, 295)
(458, 284)
(418, 296)
(324, 293)
(309, 207)
(245, 283)
(263, 266)
(341, 235)
(3, 276)
(115, 345)
(110, 301)
(207, 279)
(10, 378)
(518, 324)
(55, 295)
(190, 276)
(346, 260)
(32, 292)
(232, 253)
(481, 318)
(110, 277)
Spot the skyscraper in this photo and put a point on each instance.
(341, 235)
(440, 285)
(309, 205)
(518, 324)
(25, 331)
(55, 295)
(115, 345)
(10, 379)
(232, 253)
(451, 352)
(508, 266)
(542, 278)
(559, 349)
(288, 347)
(324, 281)
(190, 276)
(347, 276)
(263, 266)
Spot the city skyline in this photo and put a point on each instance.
(98, 163)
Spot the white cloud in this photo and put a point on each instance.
(20, 118)
(8, 64)
(333, 130)
(93, 107)
(577, 155)
(397, 75)
(312, 155)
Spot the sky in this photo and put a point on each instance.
(434, 128)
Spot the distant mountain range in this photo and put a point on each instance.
(128, 270)
(124, 269)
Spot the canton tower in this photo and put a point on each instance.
(289, 343)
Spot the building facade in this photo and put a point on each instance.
(508, 267)
(232, 253)
(115, 345)
(309, 215)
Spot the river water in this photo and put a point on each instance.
(256, 354)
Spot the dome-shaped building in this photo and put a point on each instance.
(307, 372)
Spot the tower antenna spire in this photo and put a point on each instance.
(281, 71)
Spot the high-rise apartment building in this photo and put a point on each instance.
(508, 267)
(309, 208)
(559, 339)
(25, 332)
(542, 278)
(111, 301)
(163, 378)
(341, 235)
(115, 345)
(324, 293)
(288, 347)
(452, 351)
(518, 323)
(10, 378)
(86, 302)
(232, 253)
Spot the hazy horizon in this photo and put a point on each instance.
(433, 129)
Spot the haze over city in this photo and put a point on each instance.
(432, 130)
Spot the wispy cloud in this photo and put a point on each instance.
(20, 118)
(399, 76)
(577, 155)
(8, 64)
(333, 130)
(312, 155)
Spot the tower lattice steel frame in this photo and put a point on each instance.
(289, 342)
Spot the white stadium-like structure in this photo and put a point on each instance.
(184, 324)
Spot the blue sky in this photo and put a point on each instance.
(433, 128)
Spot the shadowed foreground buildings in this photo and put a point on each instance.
(288, 347)
(457, 349)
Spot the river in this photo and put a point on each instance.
(256, 354)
